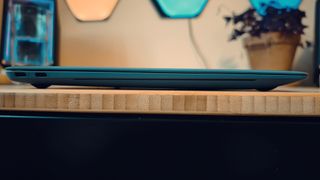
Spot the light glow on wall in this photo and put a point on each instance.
(88, 10)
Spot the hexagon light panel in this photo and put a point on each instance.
(92, 10)
(259, 5)
(181, 8)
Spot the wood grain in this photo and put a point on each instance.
(288, 101)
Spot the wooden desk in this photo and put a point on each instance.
(282, 101)
(80, 132)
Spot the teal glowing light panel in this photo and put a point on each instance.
(29, 32)
(261, 5)
(181, 8)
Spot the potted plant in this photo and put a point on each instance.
(272, 35)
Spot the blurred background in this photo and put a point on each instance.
(136, 35)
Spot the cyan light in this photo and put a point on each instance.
(182, 8)
(29, 32)
(279, 4)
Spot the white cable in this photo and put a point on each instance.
(196, 46)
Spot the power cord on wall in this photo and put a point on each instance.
(195, 45)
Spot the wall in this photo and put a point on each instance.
(304, 57)
(134, 36)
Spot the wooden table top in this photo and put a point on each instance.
(282, 101)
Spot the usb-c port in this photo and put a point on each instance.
(40, 74)
(19, 74)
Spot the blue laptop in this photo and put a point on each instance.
(153, 78)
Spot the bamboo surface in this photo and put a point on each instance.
(282, 101)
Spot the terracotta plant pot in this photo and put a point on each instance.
(272, 51)
(3, 77)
